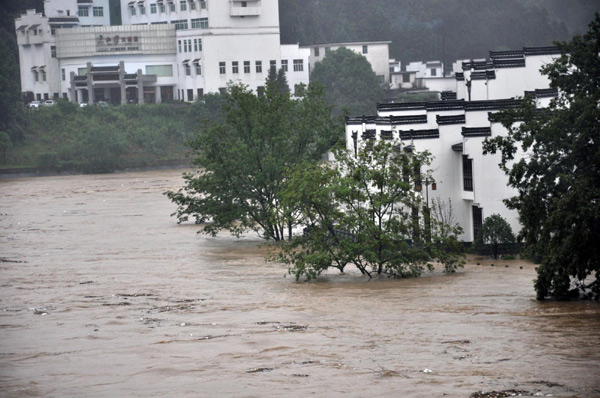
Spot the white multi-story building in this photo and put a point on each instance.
(376, 52)
(453, 131)
(164, 49)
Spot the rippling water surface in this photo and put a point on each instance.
(104, 295)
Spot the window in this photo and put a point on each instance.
(43, 74)
(190, 93)
(433, 72)
(172, 7)
(222, 68)
(204, 23)
(198, 68)
(197, 44)
(235, 67)
(52, 30)
(196, 23)
(83, 11)
(298, 65)
(365, 49)
(200, 92)
(98, 11)
(203, 4)
(246, 66)
(477, 220)
(53, 51)
(35, 75)
(153, 8)
(188, 70)
(183, 5)
(160, 70)
(192, 5)
(189, 45)
(327, 49)
(179, 48)
(244, 4)
(260, 91)
(406, 78)
(467, 173)
(272, 64)
(258, 66)
(161, 7)
(284, 65)
(316, 51)
(38, 96)
(222, 90)
(142, 10)
(181, 24)
(132, 10)
(63, 74)
(81, 71)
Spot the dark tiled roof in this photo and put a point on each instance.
(476, 131)
(506, 54)
(492, 104)
(63, 20)
(458, 147)
(543, 93)
(445, 105)
(400, 106)
(410, 119)
(460, 76)
(549, 50)
(368, 134)
(360, 119)
(509, 63)
(448, 95)
(452, 119)
(483, 75)
(105, 69)
(420, 134)
(477, 65)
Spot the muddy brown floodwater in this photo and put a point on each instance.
(104, 295)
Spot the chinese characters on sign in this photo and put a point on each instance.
(117, 43)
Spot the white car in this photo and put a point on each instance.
(49, 102)
(83, 104)
(34, 104)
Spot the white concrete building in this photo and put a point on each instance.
(453, 130)
(164, 50)
(376, 52)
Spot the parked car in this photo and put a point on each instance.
(49, 102)
(102, 103)
(83, 104)
(34, 104)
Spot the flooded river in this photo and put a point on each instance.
(104, 295)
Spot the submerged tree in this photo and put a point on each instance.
(495, 233)
(558, 182)
(241, 160)
(364, 211)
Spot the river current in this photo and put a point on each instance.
(103, 294)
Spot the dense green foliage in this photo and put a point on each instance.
(103, 139)
(242, 159)
(350, 83)
(558, 182)
(364, 211)
(433, 29)
(495, 232)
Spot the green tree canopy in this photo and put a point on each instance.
(364, 211)
(495, 232)
(558, 182)
(241, 161)
(349, 81)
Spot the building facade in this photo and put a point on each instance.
(453, 131)
(164, 50)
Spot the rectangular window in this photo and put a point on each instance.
(189, 45)
(43, 73)
(434, 72)
(53, 51)
(298, 65)
(142, 10)
(222, 68)
(203, 4)
(83, 11)
(161, 7)
(477, 220)
(258, 66)
(199, 23)
(35, 75)
(198, 68)
(317, 51)
(197, 44)
(192, 5)
(284, 65)
(153, 8)
(467, 173)
(235, 67)
(188, 70)
(182, 5)
(63, 74)
(98, 11)
(204, 23)
(81, 71)
(132, 10)
(246, 66)
(180, 24)
(179, 48)
(272, 64)
(365, 49)
(172, 7)
(160, 70)
(53, 30)
(200, 92)
(406, 78)
(190, 93)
